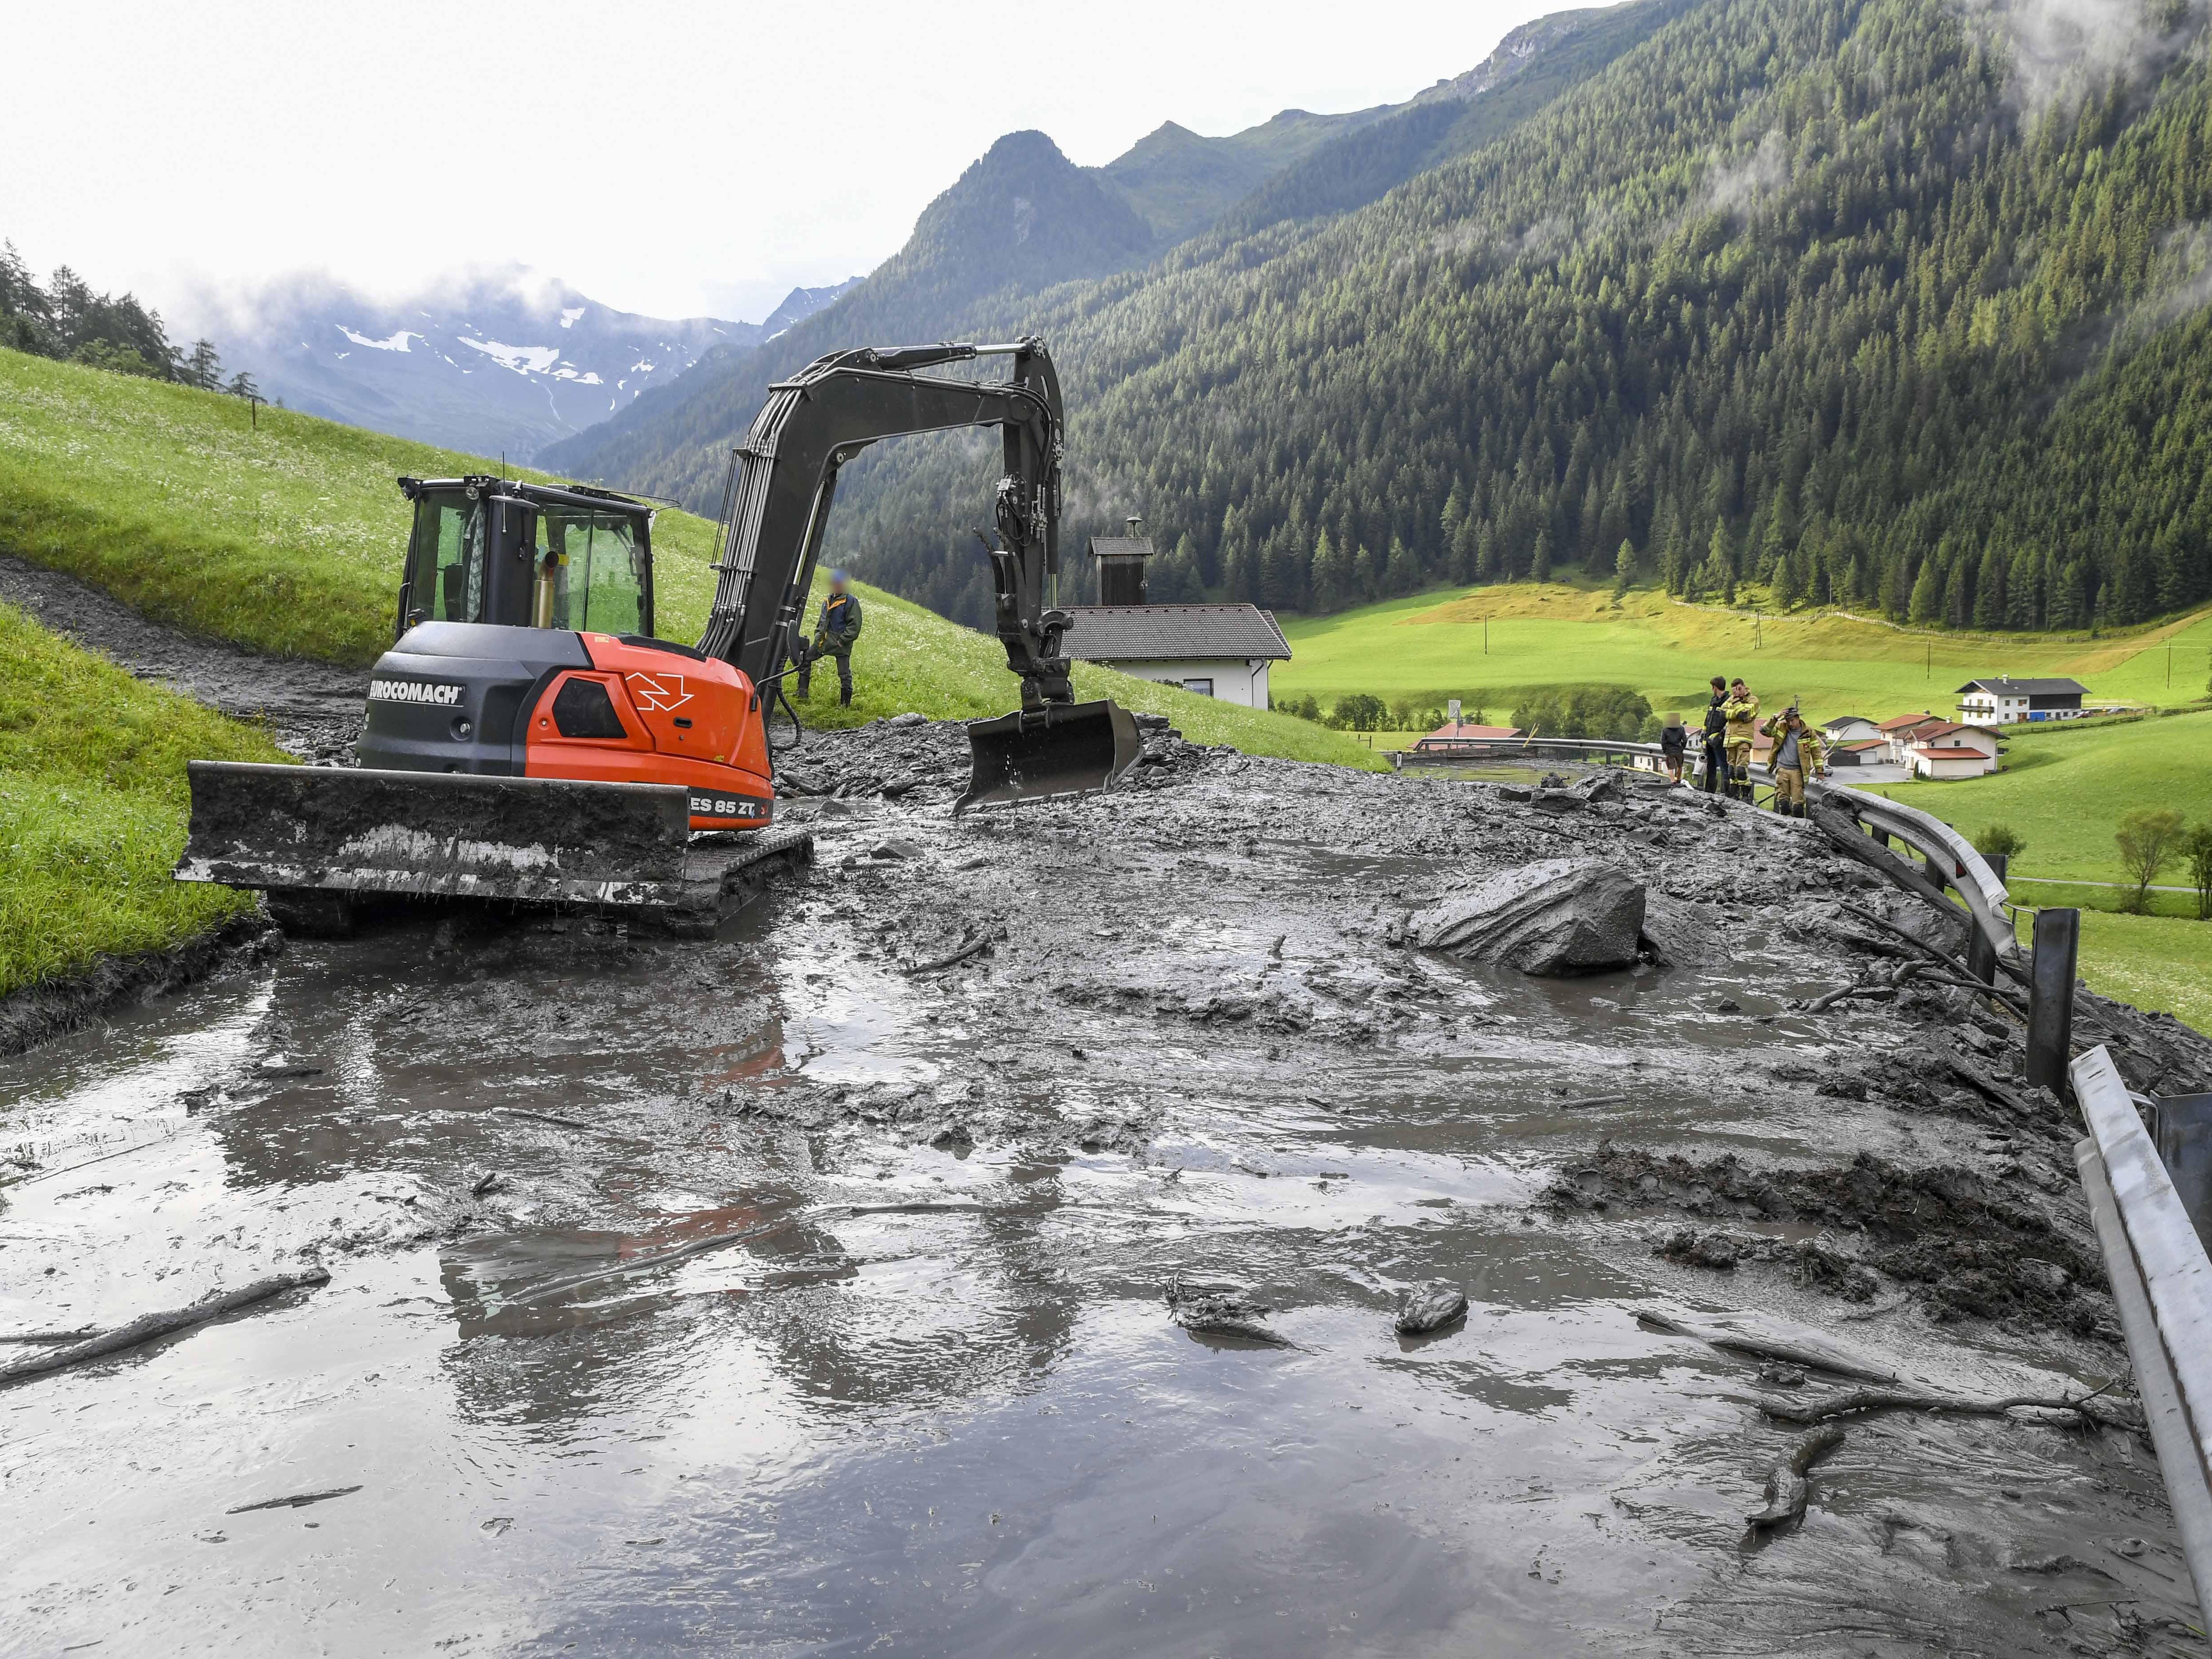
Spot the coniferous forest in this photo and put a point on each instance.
(1874, 303)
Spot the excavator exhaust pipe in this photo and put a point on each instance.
(315, 839)
(1062, 749)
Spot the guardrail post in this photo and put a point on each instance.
(1981, 953)
(2051, 998)
(2182, 1127)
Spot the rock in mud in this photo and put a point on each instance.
(1430, 1307)
(1556, 916)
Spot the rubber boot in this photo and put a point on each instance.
(845, 695)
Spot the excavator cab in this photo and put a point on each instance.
(526, 555)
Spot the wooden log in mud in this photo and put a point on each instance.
(1787, 1486)
(953, 959)
(160, 1324)
(2088, 1408)
(1810, 1350)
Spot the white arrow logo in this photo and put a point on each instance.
(659, 691)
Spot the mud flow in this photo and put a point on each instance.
(802, 1290)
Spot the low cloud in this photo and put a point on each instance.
(1742, 187)
(2061, 49)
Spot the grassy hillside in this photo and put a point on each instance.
(92, 812)
(1431, 645)
(2162, 961)
(2064, 790)
(287, 537)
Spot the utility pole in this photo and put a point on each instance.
(253, 402)
(1486, 636)
(1928, 667)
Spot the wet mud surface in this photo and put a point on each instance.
(993, 1243)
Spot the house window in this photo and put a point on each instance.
(1203, 688)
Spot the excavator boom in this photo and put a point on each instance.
(775, 506)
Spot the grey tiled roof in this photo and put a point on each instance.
(2011, 688)
(1162, 632)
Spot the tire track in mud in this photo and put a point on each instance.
(313, 709)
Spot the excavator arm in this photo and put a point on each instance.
(775, 506)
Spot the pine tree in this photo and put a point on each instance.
(1990, 592)
(1785, 583)
(1539, 561)
(1366, 579)
(1402, 574)
(1720, 566)
(2024, 589)
(1624, 569)
(1332, 575)
(1927, 602)
(202, 368)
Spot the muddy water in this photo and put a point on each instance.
(731, 1357)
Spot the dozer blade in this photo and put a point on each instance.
(295, 829)
(1061, 749)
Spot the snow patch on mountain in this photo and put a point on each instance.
(397, 343)
(413, 367)
(523, 360)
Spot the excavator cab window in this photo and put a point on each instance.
(446, 566)
(597, 568)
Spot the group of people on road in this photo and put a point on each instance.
(1731, 726)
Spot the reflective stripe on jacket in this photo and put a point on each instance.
(1742, 717)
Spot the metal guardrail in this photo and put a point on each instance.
(2162, 1286)
(1950, 856)
(1465, 750)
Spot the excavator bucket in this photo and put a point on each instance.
(1062, 749)
(316, 838)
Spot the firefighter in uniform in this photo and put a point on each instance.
(1798, 754)
(1742, 712)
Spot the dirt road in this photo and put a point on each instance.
(761, 1295)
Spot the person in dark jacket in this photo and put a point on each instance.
(1674, 739)
(835, 635)
(1715, 729)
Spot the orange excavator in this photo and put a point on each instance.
(530, 738)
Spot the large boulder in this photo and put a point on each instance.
(1556, 916)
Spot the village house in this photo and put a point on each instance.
(1466, 730)
(1929, 746)
(1850, 728)
(2007, 701)
(1223, 651)
(1860, 751)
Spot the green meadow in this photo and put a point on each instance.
(1486, 645)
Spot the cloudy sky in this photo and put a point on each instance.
(708, 156)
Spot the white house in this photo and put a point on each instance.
(1946, 759)
(1221, 651)
(1944, 750)
(2005, 701)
